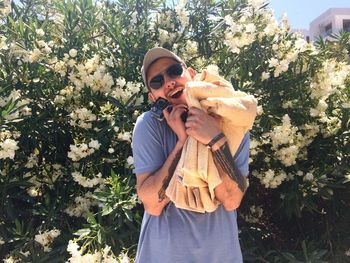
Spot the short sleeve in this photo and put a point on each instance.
(146, 145)
(242, 155)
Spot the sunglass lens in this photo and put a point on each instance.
(156, 82)
(175, 70)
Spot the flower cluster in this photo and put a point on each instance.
(65, 94)
(124, 90)
(8, 148)
(284, 140)
(124, 136)
(83, 150)
(46, 238)
(255, 213)
(242, 31)
(182, 13)
(86, 182)
(271, 178)
(81, 206)
(92, 74)
(105, 255)
(329, 79)
(82, 118)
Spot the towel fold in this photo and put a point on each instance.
(196, 176)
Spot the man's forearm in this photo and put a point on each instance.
(223, 157)
(166, 181)
(230, 192)
(152, 190)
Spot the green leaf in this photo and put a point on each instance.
(91, 219)
(107, 210)
(18, 226)
(82, 232)
(99, 236)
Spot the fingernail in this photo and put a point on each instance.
(169, 109)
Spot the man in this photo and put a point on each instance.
(169, 234)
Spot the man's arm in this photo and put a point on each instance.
(151, 186)
(231, 191)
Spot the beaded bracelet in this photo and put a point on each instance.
(215, 140)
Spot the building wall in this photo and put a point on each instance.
(333, 17)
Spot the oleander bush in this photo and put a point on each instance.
(70, 93)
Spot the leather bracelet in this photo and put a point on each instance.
(215, 140)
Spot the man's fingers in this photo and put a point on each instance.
(166, 112)
(194, 111)
(174, 111)
(178, 111)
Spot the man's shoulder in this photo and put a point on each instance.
(146, 121)
(145, 117)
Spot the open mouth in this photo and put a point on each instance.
(176, 94)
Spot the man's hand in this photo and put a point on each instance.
(172, 116)
(201, 126)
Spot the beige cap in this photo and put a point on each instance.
(154, 54)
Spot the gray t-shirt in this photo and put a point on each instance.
(178, 235)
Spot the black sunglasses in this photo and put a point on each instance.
(174, 71)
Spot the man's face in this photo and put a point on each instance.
(172, 88)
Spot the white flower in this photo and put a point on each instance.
(87, 182)
(250, 28)
(45, 239)
(255, 214)
(126, 136)
(40, 32)
(256, 3)
(73, 52)
(270, 178)
(110, 150)
(182, 13)
(308, 177)
(265, 75)
(130, 160)
(79, 151)
(81, 207)
(73, 248)
(11, 259)
(34, 56)
(163, 36)
(82, 117)
(94, 144)
(124, 258)
(8, 148)
(273, 62)
(33, 191)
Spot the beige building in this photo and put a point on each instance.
(332, 21)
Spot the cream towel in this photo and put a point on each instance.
(196, 176)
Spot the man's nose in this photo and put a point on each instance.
(169, 82)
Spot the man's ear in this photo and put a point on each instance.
(192, 72)
(151, 97)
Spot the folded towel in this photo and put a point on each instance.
(196, 176)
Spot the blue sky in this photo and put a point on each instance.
(301, 12)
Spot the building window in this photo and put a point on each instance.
(346, 25)
(328, 29)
